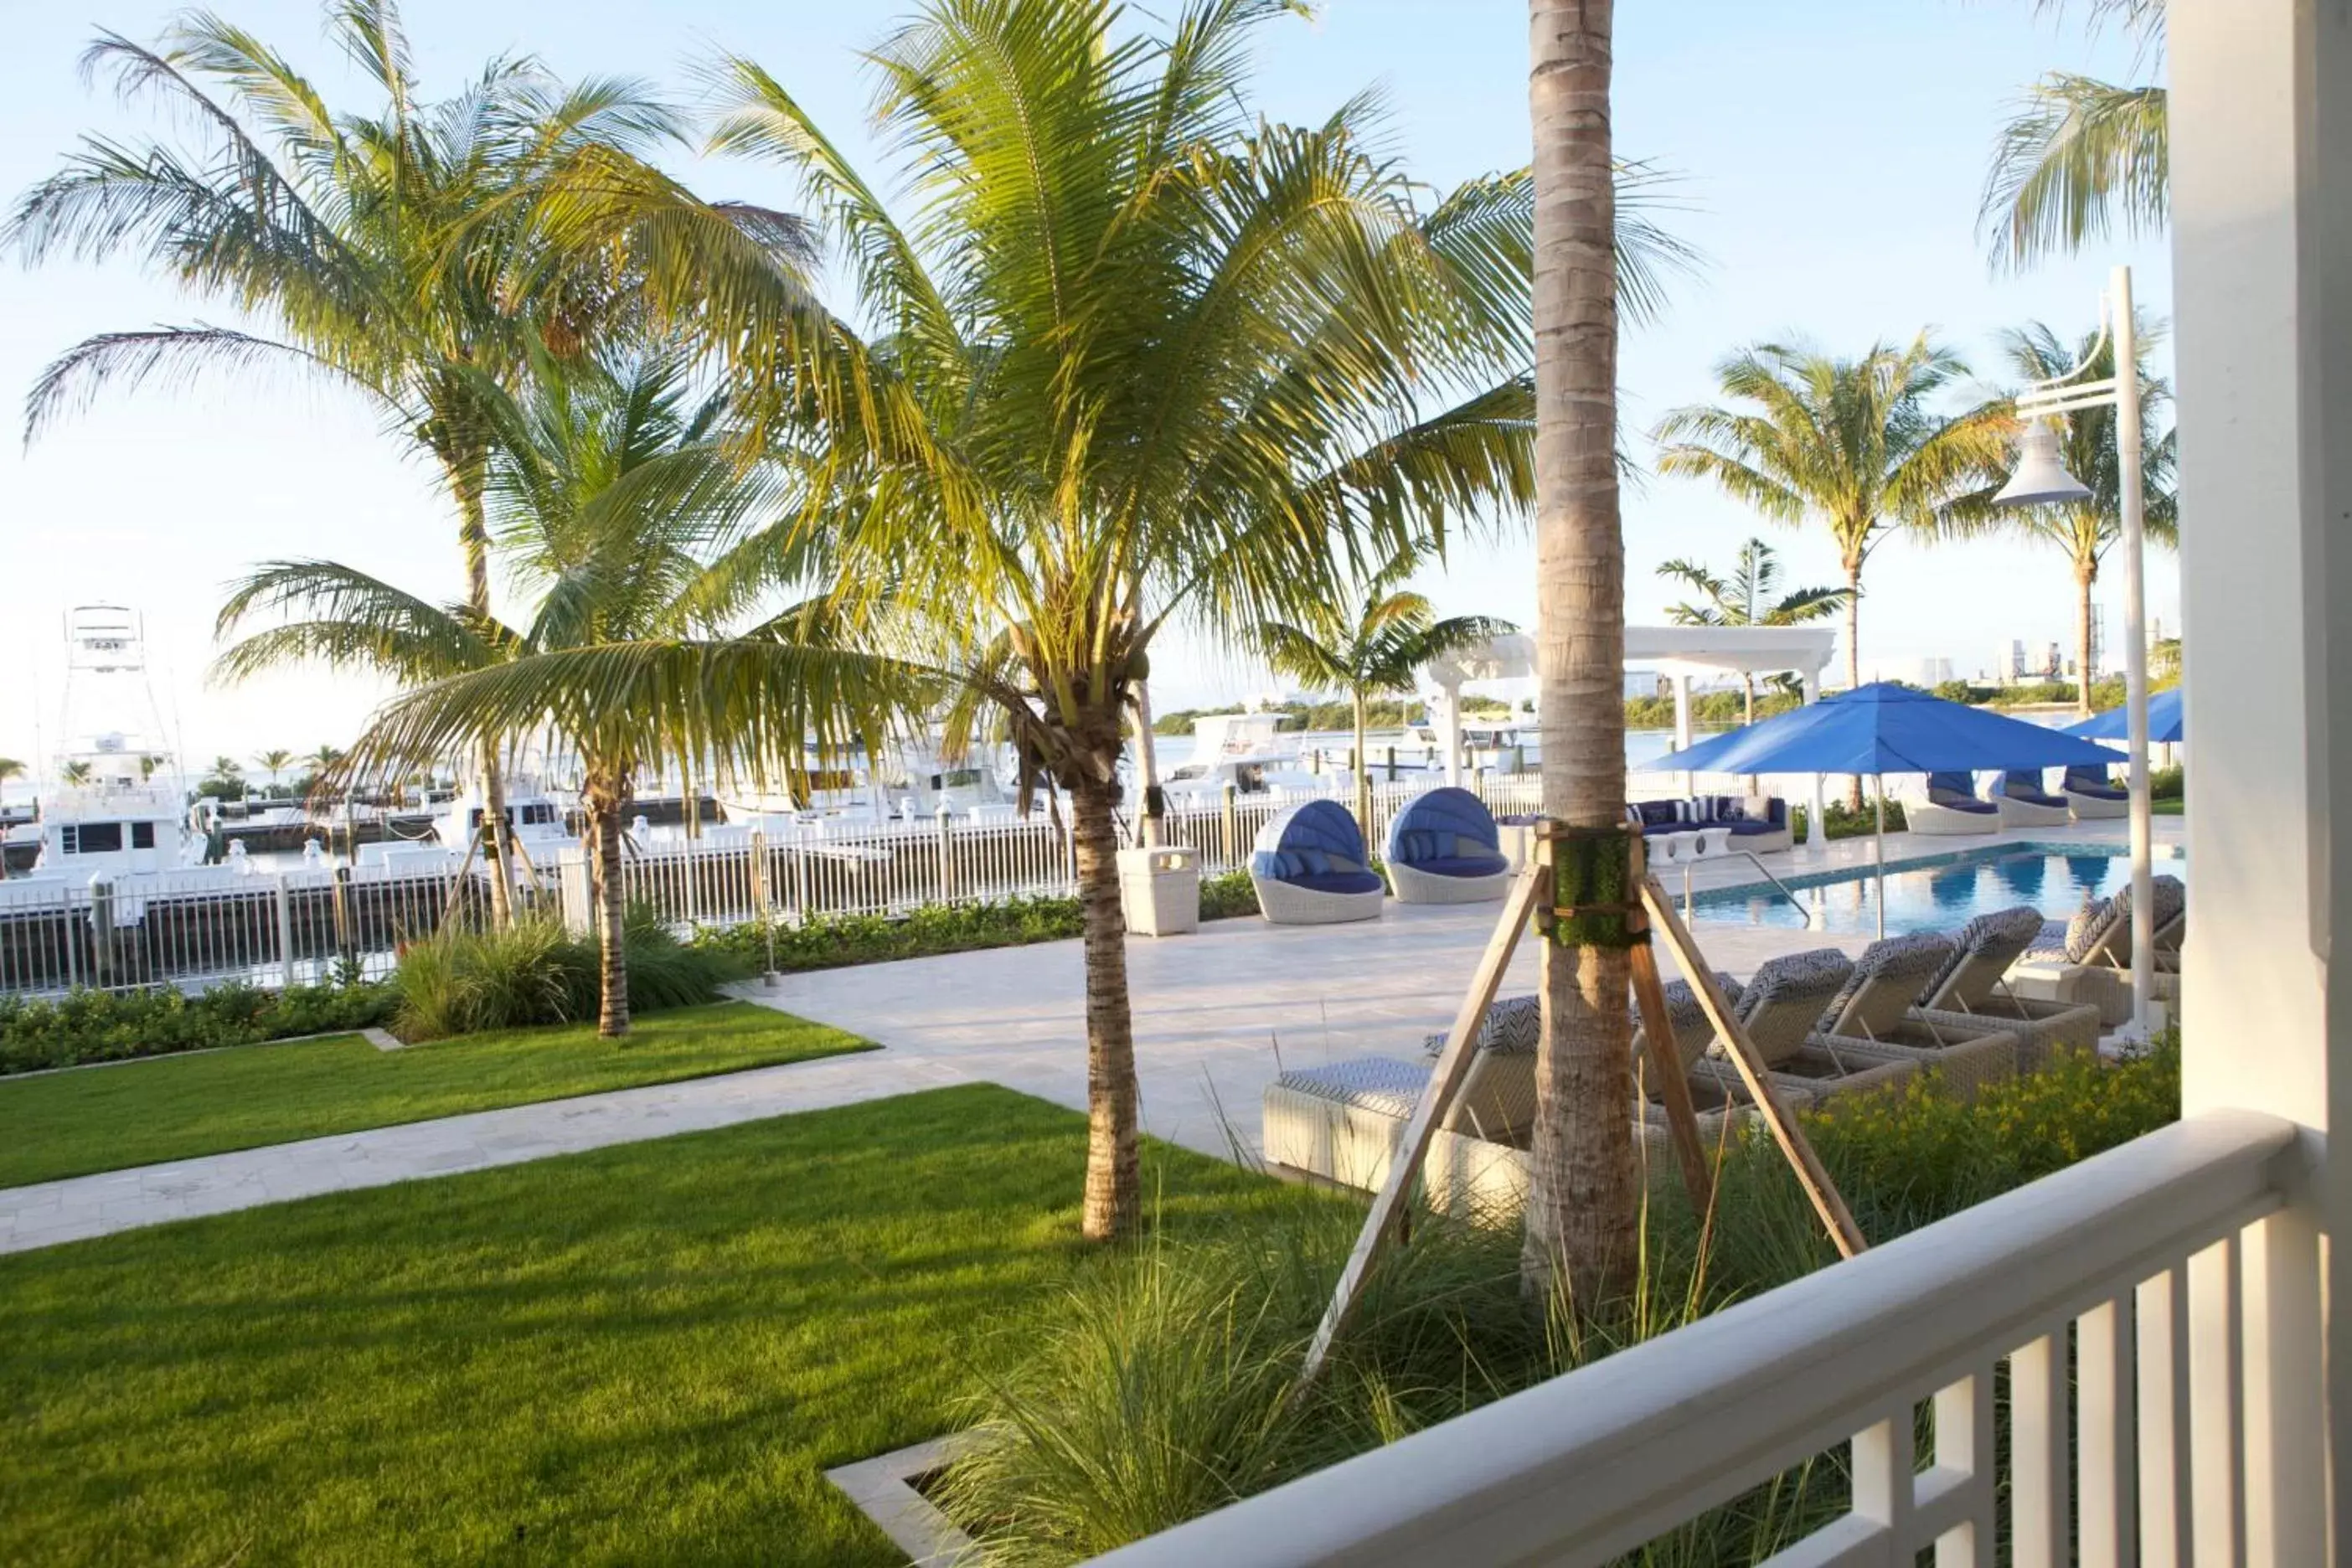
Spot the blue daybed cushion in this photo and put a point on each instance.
(1338, 882)
(1463, 865)
(2083, 779)
(2025, 784)
(1432, 823)
(1957, 791)
(1324, 827)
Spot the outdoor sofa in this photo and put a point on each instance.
(1445, 848)
(1952, 807)
(1309, 867)
(1756, 823)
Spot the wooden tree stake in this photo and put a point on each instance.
(1665, 1057)
(1391, 1206)
(1810, 1175)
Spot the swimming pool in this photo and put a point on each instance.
(1943, 894)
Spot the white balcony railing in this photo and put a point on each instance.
(2180, 1271)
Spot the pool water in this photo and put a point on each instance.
(1941, 898)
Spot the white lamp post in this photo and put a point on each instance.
(2041, 479)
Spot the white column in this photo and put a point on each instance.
(2260, 113)
(1817, 824)
(1683, 724)
(1445, 710)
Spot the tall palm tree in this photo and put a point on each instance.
(1750, 597)
(385, 250)
(1853, 444)
(74, 774)
(1142, 358)
(2085, 529)
(2081, 156)
(608, 486)
(10, 768)
(1369, 644)
(274, 762)
(226, 772)
(1583, 1179)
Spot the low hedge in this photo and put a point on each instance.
(114, 1025)
(839, 941)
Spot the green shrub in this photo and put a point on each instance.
(113, 1026)
(459, 981)
(1846, 823)
(2168, 783)
(836, 941)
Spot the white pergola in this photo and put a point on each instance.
(1682, 654)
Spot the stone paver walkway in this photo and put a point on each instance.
(1217, 1016)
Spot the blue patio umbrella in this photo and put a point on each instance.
(1882, 728)
(2163, 721)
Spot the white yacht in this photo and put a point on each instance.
(1248, 751)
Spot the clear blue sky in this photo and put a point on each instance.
(1832, 152)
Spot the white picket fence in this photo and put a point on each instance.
(307, 925)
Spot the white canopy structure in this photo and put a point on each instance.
(1680, 653)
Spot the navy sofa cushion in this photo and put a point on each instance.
(1464, 866)
(1339, 882)
(1744, 828)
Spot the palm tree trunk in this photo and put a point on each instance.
(473, 543)
(2086, 572)
(605, 806)
(1113, 1196)
(1854, 650)
(1583, 1192)
(1364, 775)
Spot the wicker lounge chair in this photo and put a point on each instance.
(1952, 807)
(2090, 797)
(1443, 848)
(1779, 1009)
(2088, 960)
(1873, 1017)
(1972, 989)
(1308, 867)
(2023, 803)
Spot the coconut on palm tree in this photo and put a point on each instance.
(1750, 596)
(386, 249)
(1369, 643)
(2085, 529)
(1855, 446)
(2081, 157)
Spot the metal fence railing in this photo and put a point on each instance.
(209, 925)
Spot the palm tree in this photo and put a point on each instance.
(1583, 1178)
(1143, 358)
(1369, 644)
(225, 772)
(2081, 157)
(1852, 443)
(1748, 598)
(386, 250)
(605, 487)
(10, 768)
(2086, 529)
(274, 762)
(75, 772)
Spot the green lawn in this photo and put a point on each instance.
(169, 1108)
(2166, 807)
(646, 1355)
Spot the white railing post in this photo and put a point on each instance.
(1229, 856)
(947, 873)
(285, 932)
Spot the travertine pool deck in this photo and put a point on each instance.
(1217, 1016)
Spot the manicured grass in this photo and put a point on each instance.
(2166, 807)
(171, 1108)
(646, 1355)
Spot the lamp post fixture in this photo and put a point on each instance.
(2041, 479)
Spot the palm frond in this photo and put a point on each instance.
(2080, 159)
